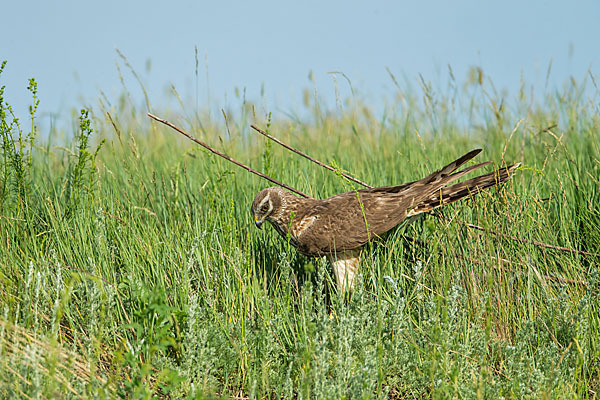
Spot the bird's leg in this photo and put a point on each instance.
(345, 268)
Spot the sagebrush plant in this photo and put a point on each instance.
(133, 269)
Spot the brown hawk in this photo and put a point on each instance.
(337, 227)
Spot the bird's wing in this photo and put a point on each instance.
(349, 220)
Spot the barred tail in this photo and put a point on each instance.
(450, 194)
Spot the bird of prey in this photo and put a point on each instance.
(339, 226)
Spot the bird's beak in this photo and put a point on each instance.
(258, 222)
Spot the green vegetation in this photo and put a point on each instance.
(130, 266)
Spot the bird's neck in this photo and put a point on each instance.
(282, 218)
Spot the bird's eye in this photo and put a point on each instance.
(264, 208)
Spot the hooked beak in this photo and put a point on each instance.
(258, 222)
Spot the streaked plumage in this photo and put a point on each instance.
(337, 227)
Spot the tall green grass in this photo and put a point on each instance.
(130, 266)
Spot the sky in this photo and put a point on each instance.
(268, 48)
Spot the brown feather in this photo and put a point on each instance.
(349, 220)
(470, 187)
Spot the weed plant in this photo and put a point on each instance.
(130, 266)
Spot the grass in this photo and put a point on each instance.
(130, 266)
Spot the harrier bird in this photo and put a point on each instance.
(339, 226)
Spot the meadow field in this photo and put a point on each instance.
(130, 266)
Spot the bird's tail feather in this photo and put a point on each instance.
(450, 194)
(450, 168)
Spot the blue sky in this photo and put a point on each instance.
(69, 47)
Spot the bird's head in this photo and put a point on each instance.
(266, 204)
